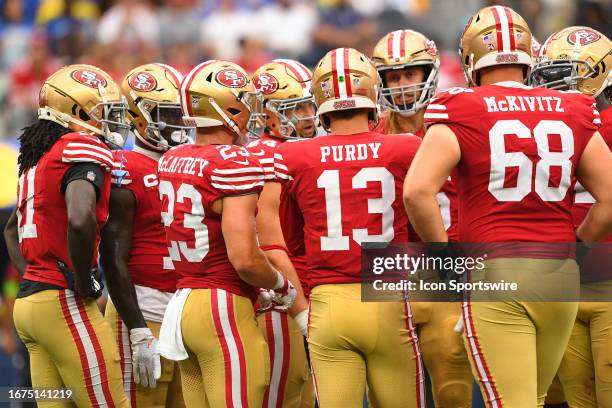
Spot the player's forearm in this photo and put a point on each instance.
(424, 214)
(81, 211)
(81, 241)
(11, 238)
(280, 260)
(255, 270)
(123, 295)
(597, 224)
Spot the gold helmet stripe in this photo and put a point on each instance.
(341, 73)
(504, 26)
(185, 105)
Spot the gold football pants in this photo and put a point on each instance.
(290, 379)
(444, 353)
(516, 346)
(168, 392)
(70, 346)
(228, 364)
(586, 370)
(354, 343)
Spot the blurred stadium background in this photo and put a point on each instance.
(38, 36)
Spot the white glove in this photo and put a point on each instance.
(284, 293)
(146, 364)
(301, 319)
(264, 300)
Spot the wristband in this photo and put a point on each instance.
(301, 319)
(281, 282)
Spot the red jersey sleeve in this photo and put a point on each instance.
(235, 172)
(263, 150)
(448, 107)
(83, 148)
(585, 113)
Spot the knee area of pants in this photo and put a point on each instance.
(454, 395)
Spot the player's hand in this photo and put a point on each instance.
(264, 300)
(582, 250)
(284, 293)
(146, 363)
(439, 250)
(91, 288)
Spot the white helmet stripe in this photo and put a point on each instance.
(397, 38)
(173, 70)
(299, 69)
(339, 55)
(505, 27)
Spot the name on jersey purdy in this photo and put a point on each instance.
(349, 152)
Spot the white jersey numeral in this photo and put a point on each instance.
(329, 180)
(501, 159)
(28, 229)
(193, 220)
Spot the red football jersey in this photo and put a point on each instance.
(290, 217)
(597, 265)
(149, 264)
(584, 200)
(191, 179)
(519, 151)
(42, 215)
(349, 190)
(447, 200)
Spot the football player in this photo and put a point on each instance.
(209, 196)
(63, 193)
(347, 186)
(514, 180)
(408, 64)
(580, 59)
(288, 113)
(139, 272)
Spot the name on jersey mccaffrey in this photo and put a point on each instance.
(184, 165)
(350, 152)
(523, 103)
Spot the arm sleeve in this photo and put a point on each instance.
(237, 175)
(84, 171)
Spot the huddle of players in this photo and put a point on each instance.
(245, 225)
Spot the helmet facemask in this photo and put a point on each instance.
(421, 93)
(165, 125)
(560, 74)
(287, 111)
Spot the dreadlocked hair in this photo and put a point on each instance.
(36, 140)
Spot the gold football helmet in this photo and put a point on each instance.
(495, 35)
(345, 79)
(154, 109)
(87, 97)
(218, 93)
(285, 86)
(401, 49)
(575, 58)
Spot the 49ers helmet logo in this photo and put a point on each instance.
(231, 78)
(266, 83)
(89, 78)
(142, 81)
(583, 36)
